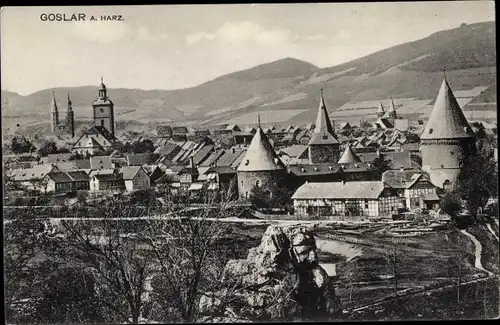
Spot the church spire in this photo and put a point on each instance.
(447, 121)
(54, 112)
(70, 105)
(102, 90)
(54, 103)
(323, 131)
(380, 111)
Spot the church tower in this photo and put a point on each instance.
(323, 146)
(70, 118)
(104, 110)
(447, 139)
(54, 121)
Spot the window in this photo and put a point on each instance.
(366, 204)
(102, 110)
(257, 183)
(102, 123)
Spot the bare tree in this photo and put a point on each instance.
(117, 258)
(349, 275)
(24, 239)
(185, 249)
(456, 247)
(394, 259)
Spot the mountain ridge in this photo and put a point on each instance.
(412, 69)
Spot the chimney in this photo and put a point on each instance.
(401, 168)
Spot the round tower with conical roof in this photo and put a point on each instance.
(323, 146)
(260, 166)
(447, 139)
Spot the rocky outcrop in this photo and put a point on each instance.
(279, 280)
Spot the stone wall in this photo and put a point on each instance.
(248, 180)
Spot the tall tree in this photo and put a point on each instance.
(380, 164)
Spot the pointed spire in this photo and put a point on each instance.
(260, 155)
(323, 131)
(447, 121)
(348, 156)
(392, 108)
(54, 102)
(381, 109)
(70, 105)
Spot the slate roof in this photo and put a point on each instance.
(384, 123)
(107, 177)
(202, 154)
(340, 190)
(34, 173)
(260, 155)
(400, 179)
(139, 159)
(311, 170)
(238, 160)
(229, 157)
(60, 177)
(294, 151)
(180, 130)
(100, 162)
(214, 156)
(348, 156)
(221, 170)
(129, 172)
(447, 121)
(78, 175)
(167, 149)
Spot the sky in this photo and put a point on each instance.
(179, 46)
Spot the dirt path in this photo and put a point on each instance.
(479, 248)
(338, 248)
(491, 230)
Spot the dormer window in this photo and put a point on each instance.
(325, 137)
(430, 131)
(315, 169)
(330, 167)
(247, 162)
(302, 169)
(356, 165)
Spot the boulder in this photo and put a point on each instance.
(280, 279)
